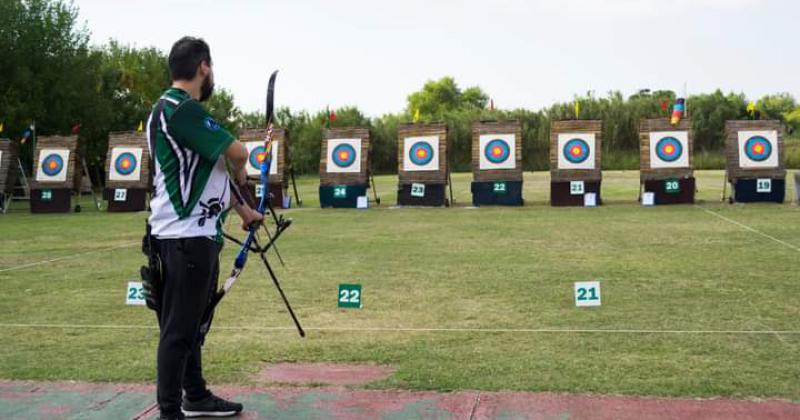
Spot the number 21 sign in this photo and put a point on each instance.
(587, 293)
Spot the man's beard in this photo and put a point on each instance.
(206, 90)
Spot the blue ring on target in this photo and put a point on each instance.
(344, 155)
(576, 144)
(53, 164)
(750, 148)
(662, 149)
(121, 160)
(254, 154)
(420, 153)
(497, 151)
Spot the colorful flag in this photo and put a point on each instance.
(751, 108)
(664, 106)
(577, 109)
(677, 111)
(332, 115)
(141, 126)
(75, 129)
(416, 116)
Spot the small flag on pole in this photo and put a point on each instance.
(751, 109)
(664, 106)
(26, 135)
(677, 111)
(332, 115)
(75, 129)
(2, 127)
(416, 116)
(577, 109)
(141, 126)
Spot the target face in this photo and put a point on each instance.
(256, 155)
(125, 164)
(421, 153)
(344, 156)
(576, 151)
(52, 165)
(758, 149)
(669, 149)
(497, 151)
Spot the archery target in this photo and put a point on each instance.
(758, 149)
(125, 164)
(256, 152)
(52, 165)
(576, 151)
(344, 156)
(497, 151)
(669, 149)
(421, 153)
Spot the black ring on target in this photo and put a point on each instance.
(125, 163)
(344, 155)
(758, 148)
(257, 156)
(420, 153)
(497, 151)
(669, 149)
(576, 150)
(53, 164)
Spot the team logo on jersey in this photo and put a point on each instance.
(211, 124)
(576, 151)
(125, 163)
(343, 155)
(758, 149)
(669, 149)
(52, 164)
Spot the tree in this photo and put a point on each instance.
(443, 95)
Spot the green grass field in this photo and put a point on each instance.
(677, 268)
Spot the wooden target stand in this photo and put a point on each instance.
(128, 172)
(56, 174)
(575, 155)
(497, 163)
(280, 172)
(666, 156)
(757, 175)
(9, 154)
(344, 167)
(422, 165)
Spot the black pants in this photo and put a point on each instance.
(190, 271)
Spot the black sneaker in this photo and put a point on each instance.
(212, 406)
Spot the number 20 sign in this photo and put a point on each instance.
(587, 293)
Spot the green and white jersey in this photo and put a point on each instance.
(192, 188)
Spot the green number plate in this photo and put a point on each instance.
(350, 296)
(340, 192)
(764, 185)
(672, 186)
(47, 195)
(499, 188)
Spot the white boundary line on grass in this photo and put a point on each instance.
(756, 231)
(66, 257)
(401, 329)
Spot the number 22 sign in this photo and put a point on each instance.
(350, 296)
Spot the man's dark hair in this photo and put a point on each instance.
(186, 55)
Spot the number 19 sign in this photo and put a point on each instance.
(587, 293)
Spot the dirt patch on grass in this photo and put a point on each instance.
(324, 373)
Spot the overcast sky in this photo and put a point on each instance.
(523, 53)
